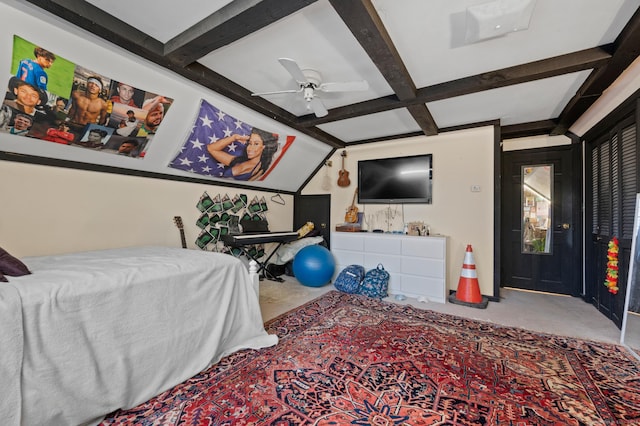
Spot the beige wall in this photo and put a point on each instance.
(50, 210)
(460, 159)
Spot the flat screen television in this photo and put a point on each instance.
(396, 180)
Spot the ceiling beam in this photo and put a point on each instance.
(532, 71)
(578, 104)
(364, 22)
(626, 48)
(545, 68)
(493, 123)
(234, 21)
(386, 138)
(533, 128)
(423, 117)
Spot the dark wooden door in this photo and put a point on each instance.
(557, 269)
(316, 209)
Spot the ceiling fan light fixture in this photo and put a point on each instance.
(497, 18)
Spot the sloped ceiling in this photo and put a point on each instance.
(424, 75)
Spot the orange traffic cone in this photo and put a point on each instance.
(468, 292)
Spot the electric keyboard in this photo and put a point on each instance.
(258, 238)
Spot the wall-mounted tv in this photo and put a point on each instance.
(396, 180)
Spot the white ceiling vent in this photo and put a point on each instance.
(497, 18)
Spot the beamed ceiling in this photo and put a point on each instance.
(424, 75)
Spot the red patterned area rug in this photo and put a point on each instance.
(351, 360)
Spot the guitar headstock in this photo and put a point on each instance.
(178, 221)
(343, 153)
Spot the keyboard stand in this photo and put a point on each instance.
(241, 241)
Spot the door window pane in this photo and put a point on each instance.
(537, 199)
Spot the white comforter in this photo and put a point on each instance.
(91, 332)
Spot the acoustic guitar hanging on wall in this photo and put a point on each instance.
(343, 175)
(352, 212)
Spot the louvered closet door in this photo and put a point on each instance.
(614, 184)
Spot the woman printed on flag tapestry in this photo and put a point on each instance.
(221, 146)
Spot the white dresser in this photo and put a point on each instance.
(417, 265)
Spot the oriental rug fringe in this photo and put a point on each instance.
(350, 360)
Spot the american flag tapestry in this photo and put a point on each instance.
(222, 146)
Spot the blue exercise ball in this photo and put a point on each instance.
(313, 266)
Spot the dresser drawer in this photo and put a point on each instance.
(423, 247)
(430, 288)
(347, 241)
(346, 257)
(391, 263)
(388, 245)
(423, 267)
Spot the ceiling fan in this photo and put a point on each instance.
(309, 82)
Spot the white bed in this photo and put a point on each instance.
(91, 332)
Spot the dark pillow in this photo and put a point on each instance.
(11, 266)
(314, 233)
(3, 278)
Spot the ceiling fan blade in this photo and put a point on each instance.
(318, 107)
(277, 92)
(293, 68)
(348, 86)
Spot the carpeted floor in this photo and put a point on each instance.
(346, 359)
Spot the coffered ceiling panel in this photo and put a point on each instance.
(537, 100)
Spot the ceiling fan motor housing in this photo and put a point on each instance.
(313, 82)
(313, 77)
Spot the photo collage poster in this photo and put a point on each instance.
(52, 99)
(222, 146)
(221, 215)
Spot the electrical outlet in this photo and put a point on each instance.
(475, 188)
